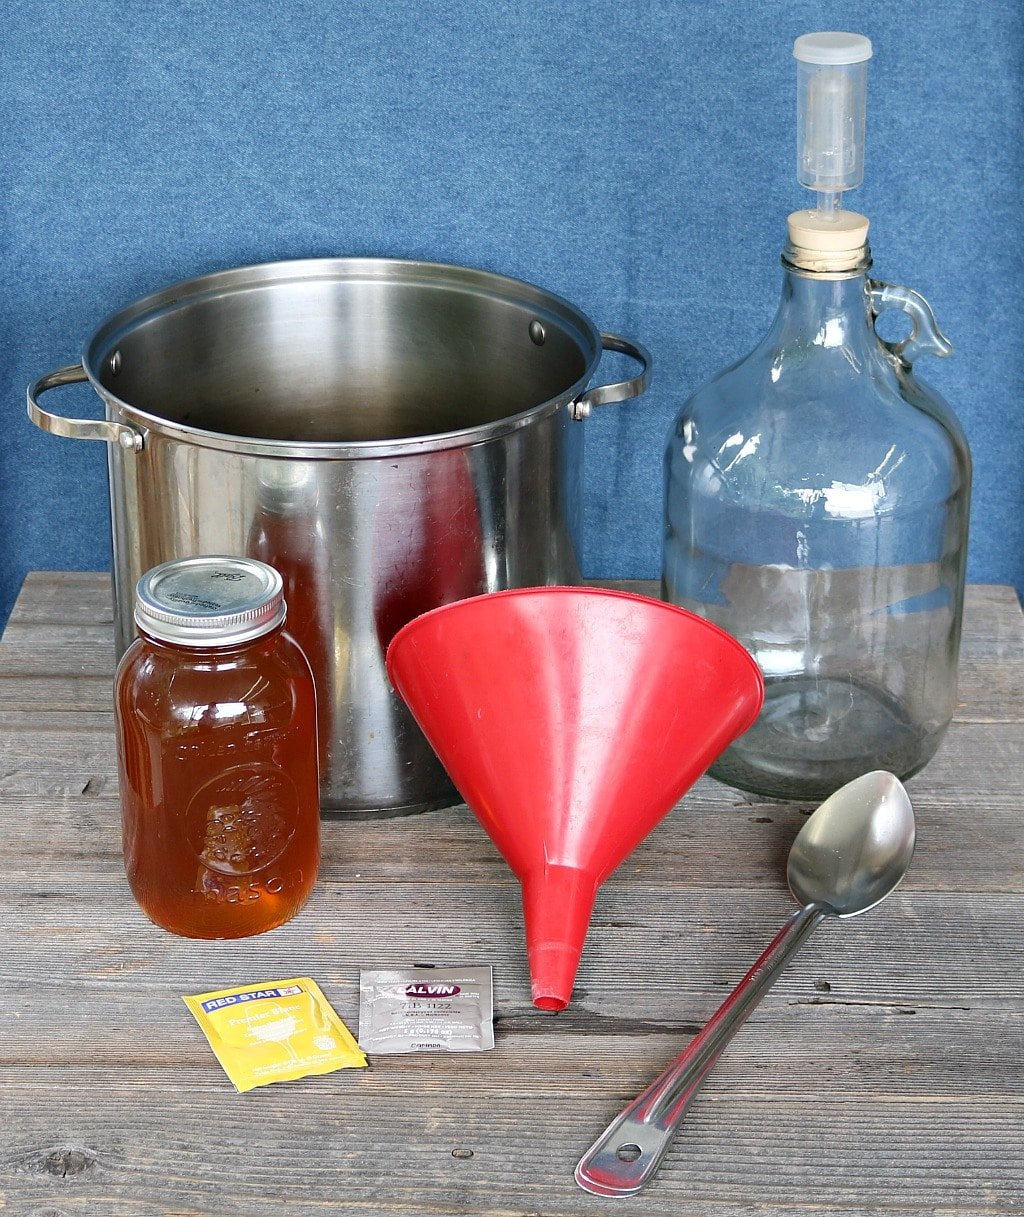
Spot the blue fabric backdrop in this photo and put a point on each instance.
(638, 159)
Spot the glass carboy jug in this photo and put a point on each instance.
(817, 508)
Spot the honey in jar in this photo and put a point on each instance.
(217, 751)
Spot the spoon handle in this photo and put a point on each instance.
(629, 1151)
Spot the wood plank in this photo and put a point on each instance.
(69, 735)
(28, 694)
(62, 649)
(60, 755)
(987, 691)
(991, 670)
(655, 951)
(863, 1156)
(57, 760)
(993, 623)
(992, 612)
(990, 692)
(785, 1048)
(49, 758)
(60, 597)
(57, 631)
(743, 844)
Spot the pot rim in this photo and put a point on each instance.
(547, 305)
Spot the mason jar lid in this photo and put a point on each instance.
(209, 601)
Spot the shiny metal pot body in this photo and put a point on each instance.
(390, 435)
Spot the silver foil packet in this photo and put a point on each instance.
(426, 1010)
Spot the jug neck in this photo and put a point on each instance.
(825, 311)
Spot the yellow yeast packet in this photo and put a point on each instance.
(274, 1032)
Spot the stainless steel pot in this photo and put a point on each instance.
(390, 435)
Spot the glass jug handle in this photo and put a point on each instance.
(925, 338)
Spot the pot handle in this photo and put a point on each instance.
(622, 390)
(77, 428)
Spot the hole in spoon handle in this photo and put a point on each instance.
(624, 1158)
(629, 1151)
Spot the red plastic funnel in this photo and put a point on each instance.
(571, 720)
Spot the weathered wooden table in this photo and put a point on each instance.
(884, 1074)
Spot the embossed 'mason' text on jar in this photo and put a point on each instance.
(217, 750)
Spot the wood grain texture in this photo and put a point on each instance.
(882, 1075)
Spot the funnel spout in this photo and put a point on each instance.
(557, 903)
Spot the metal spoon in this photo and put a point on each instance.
(850, 854)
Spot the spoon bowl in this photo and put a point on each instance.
(855, 848)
